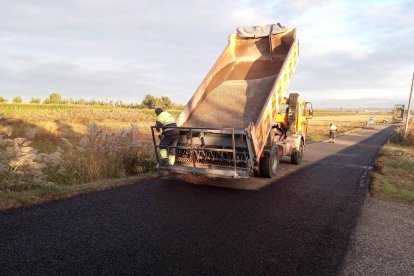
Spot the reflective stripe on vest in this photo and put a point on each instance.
(165, 118)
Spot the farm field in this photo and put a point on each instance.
(51, 123)
(319, 124)
(47, 146)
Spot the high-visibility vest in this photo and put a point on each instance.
(166, 119)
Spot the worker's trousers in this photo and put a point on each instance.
(332, 136)
(168, 141)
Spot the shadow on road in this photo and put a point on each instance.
(300, 224)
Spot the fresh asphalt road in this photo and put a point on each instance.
(300, 222)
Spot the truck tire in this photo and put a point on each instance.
(297, 155)
(270, 162)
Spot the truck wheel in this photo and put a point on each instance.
(269, 163)
(297, 155)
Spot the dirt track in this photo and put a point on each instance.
(299, 223)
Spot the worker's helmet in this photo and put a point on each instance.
(158, 111)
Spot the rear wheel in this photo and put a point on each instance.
(269, 163)
(297, 154)
(256, 172)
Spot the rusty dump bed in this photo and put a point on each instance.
(225, 125)
(235, 103)
(236, 90)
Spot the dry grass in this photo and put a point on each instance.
(46, 145)
(99, 154)
(53, 122)
(53, 148)
(16, 199)
(393, 178)
(318, 128)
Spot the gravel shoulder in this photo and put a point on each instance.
(383, 241)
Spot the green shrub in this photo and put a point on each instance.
(34, 100)
(17, 99)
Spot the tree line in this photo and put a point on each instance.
(149, 101)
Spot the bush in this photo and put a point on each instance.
(20, 168)
(149, 101)
(34, 100)
(54, 98)
(410, 137)
(164, 102)
(100, 154)
(398, 137)
(17, 99)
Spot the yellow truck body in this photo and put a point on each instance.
(239, 122)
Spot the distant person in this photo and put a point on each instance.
(332, 133)
(168, 137)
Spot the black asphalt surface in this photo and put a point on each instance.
(300, 223)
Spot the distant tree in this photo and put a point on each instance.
(81, 101)
(95, 102)
(141, 106)
(177, 106)
(3, 100)
(54, 98)
(166, 102)
(149, 101)
(34, 100)
(67, 101)
(17, 99)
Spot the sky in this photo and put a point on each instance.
(352, 53)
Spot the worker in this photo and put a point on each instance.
(332, 133)
(168, 137)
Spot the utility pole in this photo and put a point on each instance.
(408, 110)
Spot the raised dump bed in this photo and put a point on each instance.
(237, 88)
(232, 104)
(225, 127)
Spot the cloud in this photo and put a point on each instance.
(353, 50)
(124, 50)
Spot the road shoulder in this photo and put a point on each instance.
(45, 194)
(383, 241)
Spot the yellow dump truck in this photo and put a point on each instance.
(398, 113)
(239, 123)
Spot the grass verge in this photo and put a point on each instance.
(44, 194)
(393, 178)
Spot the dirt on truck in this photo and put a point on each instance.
(234, 103)
(239, 123)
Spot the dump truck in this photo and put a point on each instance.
(398, 113)
(239, 123)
